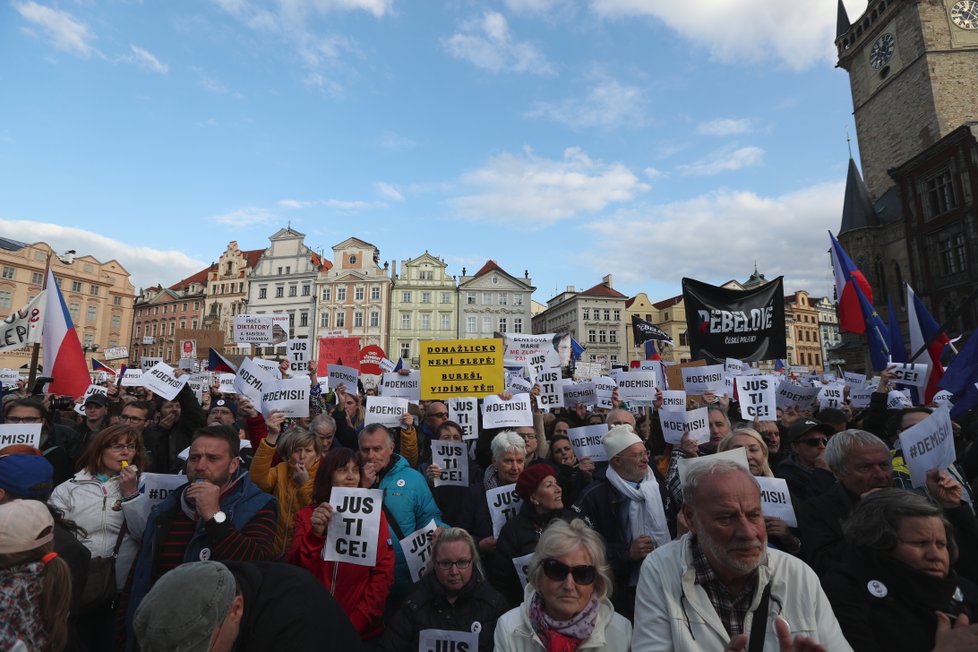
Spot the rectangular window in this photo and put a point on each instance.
(469, 322)
(446, 297)
(116, 322)
(73, 309)
(470, 298)
(405, 349)
(502, 300)
(341, 320)
(503, 324)
(116, 301)
(592, 336)
(358, 319)
(607, 314)
(940, 193)
(426, 322)
(446, 321)
(9, 272)
(587, 313)
(262, 293)
(952, 255)
(89, 339)
(279, 292)
(375, 293)
(305, 290)
(487, 298)
(405, 320)
(602, 336)
(76, 286)
(36, 278)
(6, 297)
(617, 314)
(358, 294)
(194, 324)
(517, 299)
(517, 324)
(173, 327)
(405, 297)
(426, 297)
(325, 294)
(487, 324)
(183, 323)
(324, 320)
(341, 294)
(303, 319)
(293, 290)
(374, 319)
(613, 337)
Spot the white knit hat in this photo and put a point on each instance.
(618, 439)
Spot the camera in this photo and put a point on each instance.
(62, 403)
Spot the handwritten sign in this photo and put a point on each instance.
(28, 434)
(417, 549)
(497, 413)
(461, 368)
(504, 504)
(385, 410)
(23, 327)
(161, 381)
(290, 396)
(252, 329)
(586, 442)
(351, 535)
(673, 400)
(758, 397)
(928, 445)
(776, 501)
(703, 380)
(452, 458)
(446, 640)
(403, 386)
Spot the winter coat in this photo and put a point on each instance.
(518, 537)
(277, 480)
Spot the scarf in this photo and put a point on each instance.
(645, 512)
(491, 478)
(20, 591)
(560, 635)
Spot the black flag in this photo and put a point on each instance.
(643, 330)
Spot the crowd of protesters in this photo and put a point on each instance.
(628, 553)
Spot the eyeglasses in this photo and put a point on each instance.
(23, 420)
(460, 564)
(644, 455)
(118, 448)
(527, 435)
(557, 571)
(439, 415)
(130, 418)
(814, 442)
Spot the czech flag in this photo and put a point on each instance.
(923, 329)
(877, 334)
(64, 359)
(97, 365)
(217, 362)
(847, 277)
(651, 352)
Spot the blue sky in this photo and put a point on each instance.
(650, 139)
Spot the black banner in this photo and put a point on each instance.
(643, 330)
(744, 324)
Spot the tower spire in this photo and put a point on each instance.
(842, 23)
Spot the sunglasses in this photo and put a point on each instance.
(557, 571)
(815, 442)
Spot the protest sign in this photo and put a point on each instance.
(147, 362)
(270, 367)
(339, 375)
(338, 350)
(519, 348)
(92, 390)
(351, 535)
(371, 359)
(417, 548)
(28, 434)
(734, 367)
(157, 487)
(604, 387)
(452, 458)
(298, 353)
(515, 383)
(385, 410)
(776, 501)
(504, 504)
(116, 353)
(161, 381)
(738, 455)
(586, 370)
(447, 640)
(906, 373)
(853, 379)
(9, 377)
(396, 384)
(226, 383)
(704, 380)
(943, 397)
(758, 397)
(830, 396)
(794, 395)
(252, 329)
(551, 392)
(465, 412)
(251, 381)
(674, 373)
(635, 387)
(23, 327)
(497, 413)
(451, 368)
(132, 378)
(199, 383)
(386, 366)
(290, 396)
(673, 400)
(861, 397)
(656, 367)
(695, 422)
(586, 442)
(578, 394)
(928, 445)
(522, 565)
(898, 400)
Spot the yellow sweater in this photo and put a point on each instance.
(277, 481)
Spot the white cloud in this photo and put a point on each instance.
(146, 265)
(145, 59)
(295, 203)
(488, 44)
(725, 159)
(245, 217)
(797, 35)
(534, 6)
(539, 191)
(720, 235)
(352, 205)
(724, 127)
(607, 104)
(61, 29)
(389, 191)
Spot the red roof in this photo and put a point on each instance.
(319, 261)
(199, 277)
(489, 267)
(668, 303)
(602, 290)
(252, 256)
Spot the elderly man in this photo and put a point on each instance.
(631, 509)
(324, 427)
(720, 582)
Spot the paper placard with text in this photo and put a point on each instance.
(148, 362)
(157, 487)
(251, 381)
(341, 375)
(776, 501)
(290, 396)
(504, 504)
(635, 387)
(28, 434)
(794, 395)
(352, 533)
(586, 442)
(447, 640)
(343, 351)
(451, 368)
(161, 381)
(522, 566)
(385, 410)
(673, 400)
(417, 548)
(695, 422)
(465, 412)
(252, 329)
(831, 396)
(708, 379)
(132, 378)
(402, 385)
(604, 388)
(906, 373)
(578, 393)
(298, 353)
(928, 445)
(551, 390)
(497, 413)
(453, 459)
(758, 397)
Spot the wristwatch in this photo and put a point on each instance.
(217, 518)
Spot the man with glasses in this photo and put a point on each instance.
(805, 469)
(31, 411)
(631, 508)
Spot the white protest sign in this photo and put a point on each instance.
(586, 370)
(161, 381)
(452, 458)
(776, 501)
(928, 445)
(656, 367)
(20, 433)
(861, 397)
(517, 384)
(738, 455)
(519, 348)
(447, 640)
(830, 396)
(794, 395)
(116, 352)
(385, 410)
(522, 566)
(465, 412)
(226, 383)
(908, 373)
(734, 367)
(551, 392)
(297, 353)
(536, 364)
(586, 442)
(340, 375)
(199, 383)
(157, 487)
(407, 386)
(758, 397)
(387, 365)
(578, 394)
(132, 378)
(695, 422)
(269, 366)
(853, 379)
(497, 413)
(504, 504)
(943, 397)
(23, 327)
(704, 380)
(417, 548)
(635, 387)
(146, 362)
(92, 390)
(604, 388)
(897, 400)
(290, 396)
(673, 400)
(351, 535)
(252, 329)
(9, 377)
(251, 381)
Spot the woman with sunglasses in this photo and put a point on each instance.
(452, 595)
(566, 605)
(103, 499)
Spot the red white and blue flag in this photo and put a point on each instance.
(217, 362)
(847, 277)
(64, 359)
(923, 329)
(98, 365)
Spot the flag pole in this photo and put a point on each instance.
(36, 348)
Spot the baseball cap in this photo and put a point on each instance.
(24, 525)
(26, 476)
(803, 426)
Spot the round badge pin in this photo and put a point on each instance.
(877, 588)
(205, 554)
(476, 627)
(401, 482)
(958, 595)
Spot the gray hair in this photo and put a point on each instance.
(371, 428)
(699, 472)
(875, 520)
(630, 421)
(842, 443)
(717, 408)
(562, 538)
(294, 438)
(323, 421)
(504, 441)
(451, 535)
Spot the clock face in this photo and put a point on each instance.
(882, 51)
(964, 14)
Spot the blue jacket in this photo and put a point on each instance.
(408, 500)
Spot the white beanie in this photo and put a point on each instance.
(618, 439)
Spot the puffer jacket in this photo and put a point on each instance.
(277, 481)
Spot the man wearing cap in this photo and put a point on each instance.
(805, 470)
(96, 418)
(632, 510)
(210, 606)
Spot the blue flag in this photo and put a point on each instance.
(960, 378)
(576, 349)
(877, 334)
